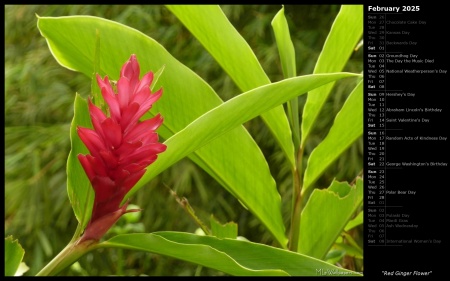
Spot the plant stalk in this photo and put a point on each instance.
(296, 204)
(292, 107)
(71, 253)
(190, 211)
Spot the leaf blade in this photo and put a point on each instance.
(346, 129)
(13, 255)
(79, 188)
(231, 256)
(284, 43)
(345, 33)
(287, 58)
(320, 227)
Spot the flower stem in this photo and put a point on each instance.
(71, 253)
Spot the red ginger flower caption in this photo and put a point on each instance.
(120, 146)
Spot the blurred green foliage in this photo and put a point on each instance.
(39, 96)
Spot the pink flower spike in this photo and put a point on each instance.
(120, 146)
(110, 97)
(146, 80)
(131, 71)
(143, 127)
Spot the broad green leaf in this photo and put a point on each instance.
(212, 28)
(344, 35)
(81, 194)
(358, 220)
(196, 253)
(235, 160)
(284, 43)
(234, 257)
(287, 57)
(334, 256)
(350, 246)
(228, 230)
(228, 116)
(97, 98)
(13, 255)
(325, 216)
(349, 250)
(347, 128)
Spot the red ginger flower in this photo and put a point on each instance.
(120, 146)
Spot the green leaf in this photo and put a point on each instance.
(325, 216)
(228, 230)
(358, 220)
(236, 57)
(287, 57)
(231, 256)
(351, 248)
(81, 194)
(346, 129)
(97, 98)
(13, 255)
(235, 160)
(284, 43)
(334, 256)
(345, 33)
(226, 117)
